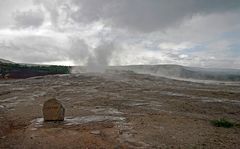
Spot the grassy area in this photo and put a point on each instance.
(25, 71)
(223, 123)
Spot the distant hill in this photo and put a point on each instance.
(18, 71)
(177, 71)
(21, 71)
(5, 61)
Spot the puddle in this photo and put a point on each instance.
(69, 90)
(220, 100)
(66, 84)
(138, 104)
(153, 105)
(172, 94)
(12, 102)
(105, 110)
(5, 85)
(19, 89)
(88, 119)
(133, 102)
(1, 106)
(39, 94)
(90, 90)
(68, 121)
(11, 99)
(67, 99)
(203, 99)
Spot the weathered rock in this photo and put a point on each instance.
(53, 110)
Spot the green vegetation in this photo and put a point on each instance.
(24, 71)
(223, 123)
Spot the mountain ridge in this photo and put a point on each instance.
(178, 71)
(164, 70)
(5, 61)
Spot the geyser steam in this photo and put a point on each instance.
(96, 59)
(99, 60)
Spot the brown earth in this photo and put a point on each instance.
(118, 110)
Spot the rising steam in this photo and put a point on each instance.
(94, 59)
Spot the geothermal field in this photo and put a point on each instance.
(119, 74)
(120, 109)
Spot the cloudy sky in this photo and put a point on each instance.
(203, 33)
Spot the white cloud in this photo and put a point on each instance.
(183, 56)
(81, 32)
(175, 46)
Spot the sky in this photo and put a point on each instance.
(199, 33)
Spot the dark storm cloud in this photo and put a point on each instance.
(30, 18)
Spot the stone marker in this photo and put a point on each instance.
(53, 110)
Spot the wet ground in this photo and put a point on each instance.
(119, 110)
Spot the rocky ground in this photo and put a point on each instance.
(119, 110)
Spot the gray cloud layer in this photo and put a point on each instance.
(102, 32)
(150, 15)
(30, 18)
